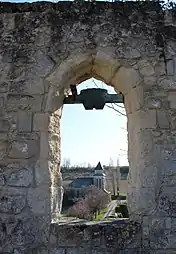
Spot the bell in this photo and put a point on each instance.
(94, 98)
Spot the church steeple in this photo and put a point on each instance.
(99, 176)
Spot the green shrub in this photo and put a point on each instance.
(122, 208)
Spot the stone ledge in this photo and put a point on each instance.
(65, 6)
(108, 236)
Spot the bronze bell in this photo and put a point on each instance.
(93, 98)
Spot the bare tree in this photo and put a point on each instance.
(114, 176)
(66, 163)
(111, 162)
(89, 165)
(80, 210)
(96, 199)
(120, 110)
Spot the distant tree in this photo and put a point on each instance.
(96, 199)
(111, 162)
(113, 172)
(89, 165)
(80, 210)
(120, 110)
(66, 163)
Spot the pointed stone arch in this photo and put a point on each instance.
(102, 65)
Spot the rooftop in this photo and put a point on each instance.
(81, 182)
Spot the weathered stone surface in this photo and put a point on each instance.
(24, 149)
(39, 200)
(24, 121)
(21, 178)
(163, 119)
(25, 232)
(171, 98)
(44, 48)
(12, 204)
(126, 79)
(99, 238)
(41, 122)
(3, 148)
(58, 251)
(145, 68)
(105, 63)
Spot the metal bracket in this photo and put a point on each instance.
(94, 98)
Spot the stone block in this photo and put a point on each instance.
(3, 148)
(145, 68)
(150, 81)
(77, 250)
(44, 145)
(4, 87)
(2, 179)
(172, 100)
(167, 84)
(42, 64)
(134, 100)
(24, 149)
(4, 125)
(29, 231)
(125, 79)
(163, 120)
(21, 178)
(152, 103)
(41, 122)
(160, 69)
(148, 176)
(170, 67)
(128, 53)
(143, 119)
(167, 201)
(12, 204)
(167, 251)
(42, 173)
(145, 205)
(131, 251)
(24, 102)
(39, 200)
(24, 121)
(105, 65)
(59, 251)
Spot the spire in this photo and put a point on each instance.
(99, 167)
(98, 170)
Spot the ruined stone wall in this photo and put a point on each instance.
(120, 237)
(44, 48)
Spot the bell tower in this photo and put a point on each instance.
(99, 176)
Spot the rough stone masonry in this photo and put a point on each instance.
(45, 47)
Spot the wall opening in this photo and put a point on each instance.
(126, 80)
(95, 136)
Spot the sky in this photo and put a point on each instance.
(88, 137)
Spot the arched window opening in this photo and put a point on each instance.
(92, 152)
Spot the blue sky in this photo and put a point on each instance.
(92, 136)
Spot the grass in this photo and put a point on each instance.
(101, 215)
(122, 194)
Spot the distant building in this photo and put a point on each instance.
(97, 178)
(124, 172)
(109, 178)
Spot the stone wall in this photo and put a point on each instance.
(121, 237)
(44, 48)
